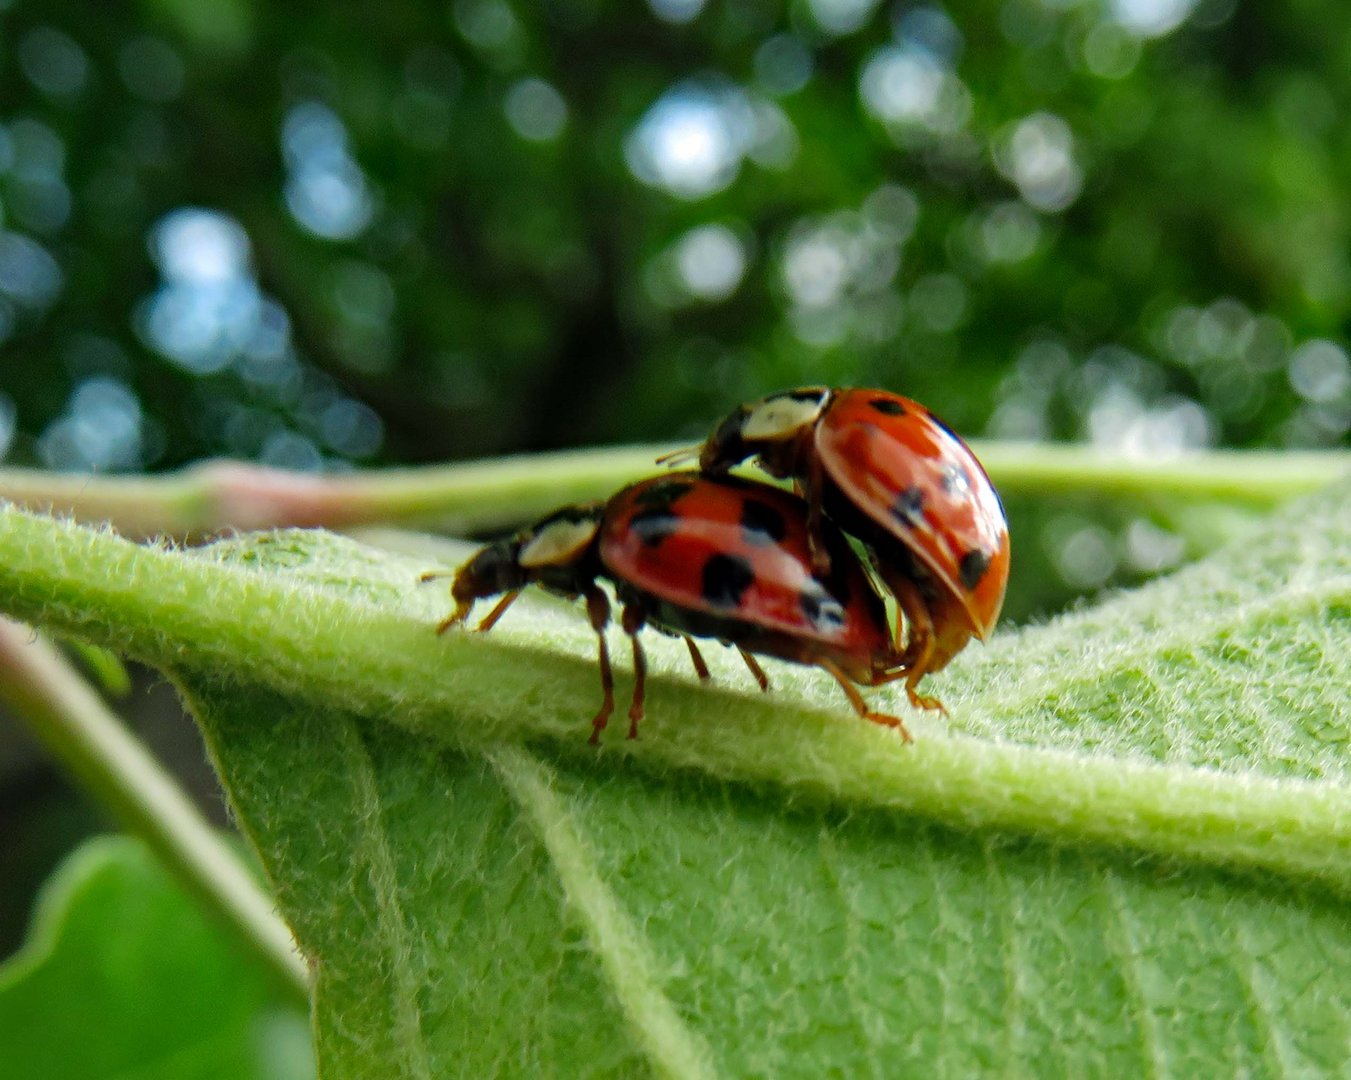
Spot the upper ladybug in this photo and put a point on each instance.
(889, 472)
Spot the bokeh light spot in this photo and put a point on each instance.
(351, 428)
(1087, 557)
(711, 261)
(1320, 372)
(692, 140)
(1110, 52)
(326, 191)
(286, 449)
(908, 88)
(677, 12)
(1151, 549)
(939, 302)
(99, 430)
(783, 64)
(53, 62)
(1151, 18)
(28, 274)
(489, 24)
(839, 17)
(1037, 154)
(535, 110)
(200, 247)
(1008, 233)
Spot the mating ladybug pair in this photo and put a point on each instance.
(706, 554)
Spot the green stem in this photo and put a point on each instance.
(355, 633)
(62, 710)
(220, 496)
(1252, 478)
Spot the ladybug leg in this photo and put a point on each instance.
(918, 658)
(598, 608)
(696, 658)
(633, 622)
(461, 611)
(490, 620)
(679, 457)
(861, 706)
(756, 669)
(911, 677)
(922, 701)
(457, 616)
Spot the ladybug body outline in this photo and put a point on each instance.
(697, 556)
(889, 472)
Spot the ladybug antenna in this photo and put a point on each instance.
(679, 457)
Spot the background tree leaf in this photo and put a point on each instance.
(122, 976)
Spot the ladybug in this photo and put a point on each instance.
(888, 471)
(698, 556)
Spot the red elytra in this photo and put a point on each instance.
(736, 550)
(889, 472)
(695, 556)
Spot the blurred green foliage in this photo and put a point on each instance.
(122, 974)
(445, 230)
(315, 235)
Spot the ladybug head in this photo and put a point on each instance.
(494, 569)
(767, 428)
(549, 551)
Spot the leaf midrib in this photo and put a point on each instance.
(381, 659)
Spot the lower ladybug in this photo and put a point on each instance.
(889, 472)
(695, 556)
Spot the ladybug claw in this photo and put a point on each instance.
(456, 617)
(928, 704)
(598, 724)
(886, 720)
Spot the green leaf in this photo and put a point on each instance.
(123, 977)
(1127, 851)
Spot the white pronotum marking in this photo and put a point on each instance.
(781, 416)
(558, 542)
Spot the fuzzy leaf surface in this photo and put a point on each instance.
(1127, 852)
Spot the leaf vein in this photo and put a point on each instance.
(391, 921)
(1154, 1059)
(830, 859)
(672, 1046)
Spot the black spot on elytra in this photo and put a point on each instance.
(972, 567)
(761, 523)
(908, 508)
(889, 406)
(662, 493)
(653, 525)
(725, 579)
